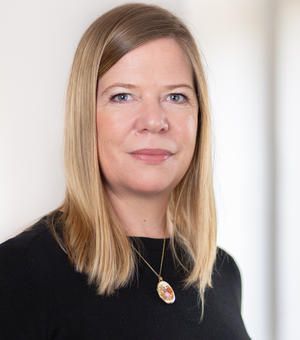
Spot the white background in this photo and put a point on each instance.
(251, 52)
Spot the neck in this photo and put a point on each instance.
(143, 216)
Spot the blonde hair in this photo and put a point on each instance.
(92, 235)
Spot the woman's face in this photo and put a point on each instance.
(147, 101)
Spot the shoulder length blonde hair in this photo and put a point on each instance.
(91, 235)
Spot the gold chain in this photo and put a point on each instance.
(161, 261)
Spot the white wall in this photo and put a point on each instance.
(288, 169)
(247, 63)
(234, 38)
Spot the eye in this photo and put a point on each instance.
(120, 98)
(178, 98)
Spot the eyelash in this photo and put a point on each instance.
(113, 97)
(185, 98)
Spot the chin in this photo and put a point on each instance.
(152, 188)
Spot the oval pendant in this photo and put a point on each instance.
(165, 292)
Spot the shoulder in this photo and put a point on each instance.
(19, 254)
(27, 261)
(227, 275)
(226, 263)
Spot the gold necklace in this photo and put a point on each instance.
(164, 289)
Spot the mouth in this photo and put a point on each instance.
(152, 156)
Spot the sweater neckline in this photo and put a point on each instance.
(150, 242)
(150, 238)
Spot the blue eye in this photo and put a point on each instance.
(178, 98)
(120, 97)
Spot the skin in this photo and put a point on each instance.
(146, 115)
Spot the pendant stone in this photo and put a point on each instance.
(165, 292)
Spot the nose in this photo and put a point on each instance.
(152, 117)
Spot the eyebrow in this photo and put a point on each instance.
(132, 86)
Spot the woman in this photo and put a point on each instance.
(131, 253)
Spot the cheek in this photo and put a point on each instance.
(187, 129)
(101, 137)
(111, 134)
(104, 135)
(106, 129)
(191, 125)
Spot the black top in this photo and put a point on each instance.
(43, 297)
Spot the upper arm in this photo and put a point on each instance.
(230, 268)
(20, 314)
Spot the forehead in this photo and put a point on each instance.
(158, 61)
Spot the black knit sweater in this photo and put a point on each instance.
(43, 297)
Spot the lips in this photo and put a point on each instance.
(151, 156)
(153, 152)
